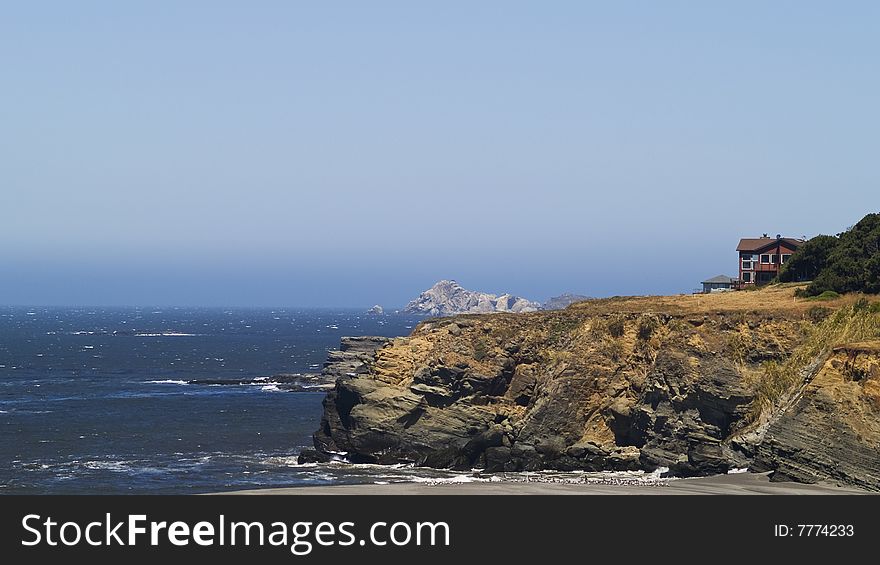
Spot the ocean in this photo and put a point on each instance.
(95, 400)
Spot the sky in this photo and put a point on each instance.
(353, 153)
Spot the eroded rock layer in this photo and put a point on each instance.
(619, 384)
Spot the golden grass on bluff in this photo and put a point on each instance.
(858, 321)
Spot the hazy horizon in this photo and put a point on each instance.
(279, 154)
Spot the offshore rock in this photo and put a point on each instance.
(447, 298)
(563, 301)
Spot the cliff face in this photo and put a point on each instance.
(832, 430)
(605, 385)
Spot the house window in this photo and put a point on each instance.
(767, 259)
(747, 265)
(785, 257)
(747, 277)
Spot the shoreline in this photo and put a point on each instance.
(731, 484)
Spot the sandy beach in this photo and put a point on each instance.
(733, 484)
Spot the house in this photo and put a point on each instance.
(760, 257)
(719, 283)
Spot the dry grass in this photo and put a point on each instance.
(859, 321)
(774, 298)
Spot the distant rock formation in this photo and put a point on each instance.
(563, 301)
(376, 311)
(448, 298)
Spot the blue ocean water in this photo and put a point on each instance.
(94, 400)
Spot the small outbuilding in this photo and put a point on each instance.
(718, 283)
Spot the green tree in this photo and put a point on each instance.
(853, 265)
(808, 261)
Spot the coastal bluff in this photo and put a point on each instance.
(696, 385)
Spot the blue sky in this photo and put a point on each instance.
(351, 153)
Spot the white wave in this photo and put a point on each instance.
(165, 334)
(167, 382)
(295, 461)
(658, 473)
(457, 479)
(105, 465)
(289, 461)
(270, 388)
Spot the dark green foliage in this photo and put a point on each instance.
(827, 295)
(854, 263)
(807, 262)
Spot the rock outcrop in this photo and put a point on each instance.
(354, 356)
(448, 298)
(832, 429)
(615, 384)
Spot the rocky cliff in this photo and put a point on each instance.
(639, 383)
(832, 429)
(447, 298)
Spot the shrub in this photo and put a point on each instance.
(616, 327)
(853, 263)
(827, 295)
(818, 313)
(647, 327)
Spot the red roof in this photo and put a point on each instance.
(759, 243)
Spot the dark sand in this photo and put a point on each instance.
(739, 483)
